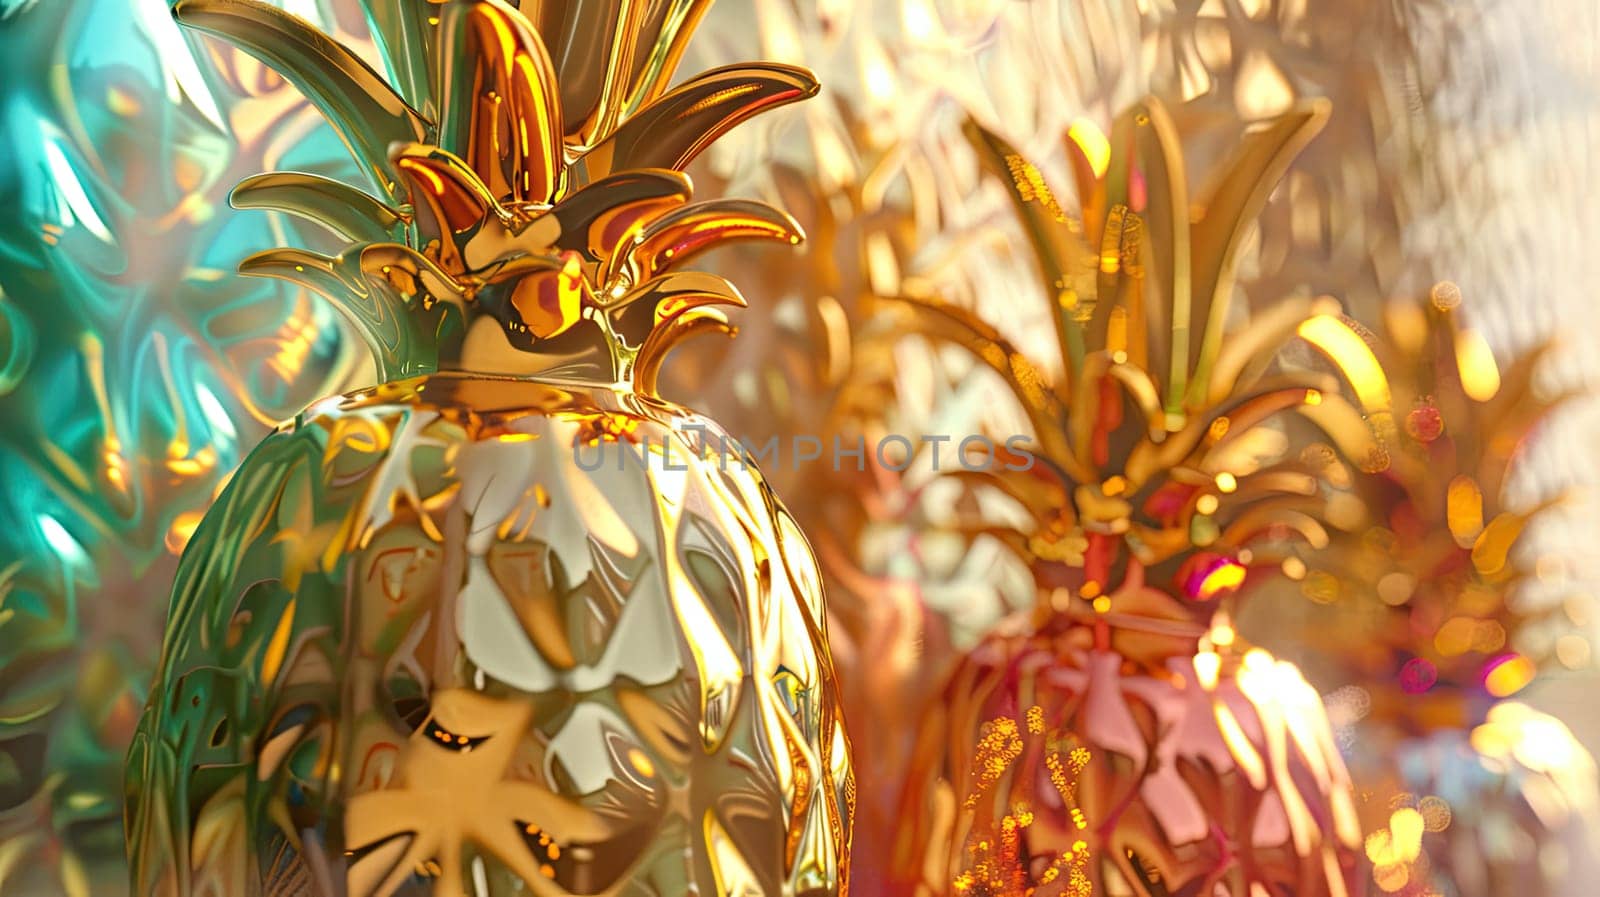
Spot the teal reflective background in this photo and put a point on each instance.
(135, 368)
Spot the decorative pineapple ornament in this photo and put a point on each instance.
(1162, 482)
(1425, 595)
(506, 621)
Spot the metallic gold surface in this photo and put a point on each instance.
(513, 624)
(529, 247)
(417, 648)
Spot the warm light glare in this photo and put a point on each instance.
(1538, 741)
(1207, 666)
(1094, 145)
(1294, 568)
(917, 17)
(1480, 376)
(1405, 830)
(1508, 674)
(1221, 577)
(1354, 358)
(1464, 510)
(878, 75)
(182, 530)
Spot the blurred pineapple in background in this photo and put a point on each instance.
(506, 620)
(1430, 570)
(1160, 485)
(1419, 605)
(134, 373)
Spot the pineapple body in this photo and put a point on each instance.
(1191, 778)
(464, 634)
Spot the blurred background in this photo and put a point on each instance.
(1456, 171)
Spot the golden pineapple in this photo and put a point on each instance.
(507, 621)
(1161, 484)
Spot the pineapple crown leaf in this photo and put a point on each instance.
(1436, 514)
(1155, 436)
(1465, 413)
(1137, 217)
(350, 213)
(614, 57)
(1466, 418)
(361, 107)
(540, 195)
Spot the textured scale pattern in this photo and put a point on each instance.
(461, 633)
